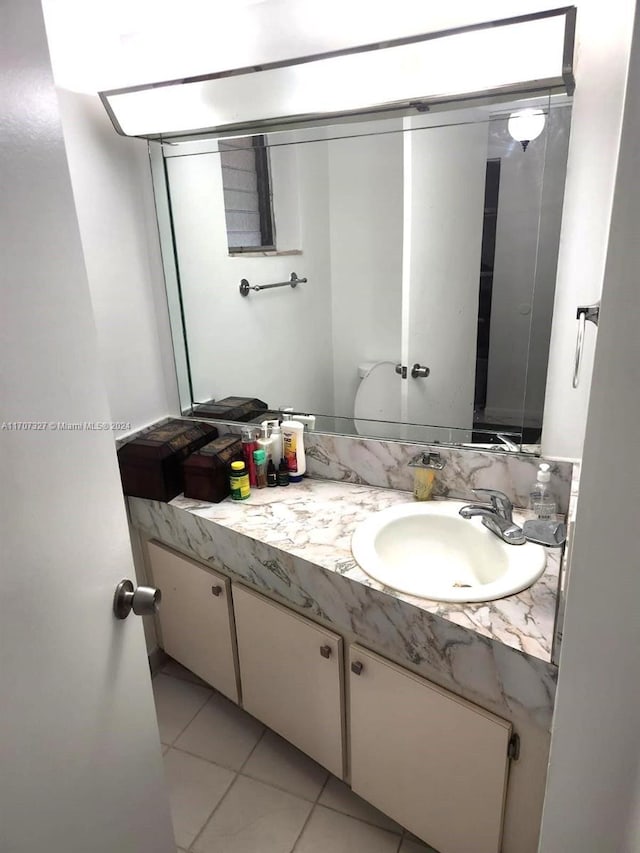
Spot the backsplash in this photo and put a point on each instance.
(375, 462)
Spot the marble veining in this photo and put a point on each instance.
(295, 543)
(385, 463)
(376, 462)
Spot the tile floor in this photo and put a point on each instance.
(236, 787)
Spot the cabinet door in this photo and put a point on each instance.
(432, 761)
(291, 675)
(195, 618)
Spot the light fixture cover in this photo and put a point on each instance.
(526, 125)
(529, 54)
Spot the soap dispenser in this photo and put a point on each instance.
(425, 465)
(541, 501)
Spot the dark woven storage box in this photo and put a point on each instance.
(206, 472)
(229, 409)
(151, 463)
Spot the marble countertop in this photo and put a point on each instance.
(315, 519)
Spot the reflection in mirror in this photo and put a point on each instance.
(429, 245)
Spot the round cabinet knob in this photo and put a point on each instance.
(325, 651)
(357, 667)
(216, 590)
(144, 601)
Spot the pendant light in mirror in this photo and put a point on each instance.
(526, 125)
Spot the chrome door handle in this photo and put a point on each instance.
(144, 601)
(419, 371)
(401, 370)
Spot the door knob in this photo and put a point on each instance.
(419, 371)
(144, 601)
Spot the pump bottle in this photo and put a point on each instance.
(541, 501)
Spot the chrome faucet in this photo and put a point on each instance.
(508, 442)
(497, 516)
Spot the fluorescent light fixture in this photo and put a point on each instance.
(528, 54)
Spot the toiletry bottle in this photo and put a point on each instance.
(541, 501)
(239, 481)
(272, 476)
(260, 460)
(293, 444)
(248, 446)
(283, 474)
(266, 441)
(276, 445)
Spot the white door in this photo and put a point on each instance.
(445, 170)
(80, 759)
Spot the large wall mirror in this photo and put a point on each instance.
(369, 237)
(428, 241)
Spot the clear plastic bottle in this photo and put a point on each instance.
(541, 501)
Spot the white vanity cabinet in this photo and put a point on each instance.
(432, 761)
(292, 676)
(196, 618)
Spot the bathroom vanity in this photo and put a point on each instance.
(436, 713)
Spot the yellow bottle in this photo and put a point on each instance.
(239, 481)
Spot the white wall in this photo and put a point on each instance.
(592, 802)
(275, 344)
(602, 57)
(365, 220)
(114, 200)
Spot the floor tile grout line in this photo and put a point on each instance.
(213, 811)
(198, 683)
(182, 730)
(277, 787)
(226, 793)
(363, 819)
(311, 811)
(208, 760)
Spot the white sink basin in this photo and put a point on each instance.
(429, 550)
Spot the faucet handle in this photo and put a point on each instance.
(499, 501)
